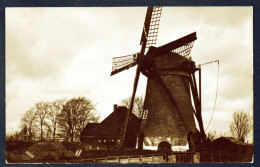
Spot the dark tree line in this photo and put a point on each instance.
(65, 118)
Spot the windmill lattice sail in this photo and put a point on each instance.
(184, 50)
(154, 26)
(123, 62)
(182, 46)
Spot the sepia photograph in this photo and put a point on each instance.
(129, 85)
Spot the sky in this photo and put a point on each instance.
(54, 53)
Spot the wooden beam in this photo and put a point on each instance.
(123, 68)
(177, 43)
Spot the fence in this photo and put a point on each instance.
(226, 157)
(57, 139)
(177, 158)
(128, 159)
(150, 158)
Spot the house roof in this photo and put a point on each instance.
(231, 139)
(234, 140)
(111, 126)
(90, 129)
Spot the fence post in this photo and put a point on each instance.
(196, 157)
(172, 158)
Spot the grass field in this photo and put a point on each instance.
(58, 152)
(64, 152)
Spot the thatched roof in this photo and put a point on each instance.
(229, 139)
(110, 127)
(90, 129)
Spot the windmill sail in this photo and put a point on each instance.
(122, 63)
(151, 26)
(181, 46)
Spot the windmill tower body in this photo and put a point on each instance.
(168, 111)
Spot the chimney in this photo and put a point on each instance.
(115, 107)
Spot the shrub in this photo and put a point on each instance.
(50, 155)
(68, 154)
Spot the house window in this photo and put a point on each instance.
(105, 141)
(145, 114)
(99, 141)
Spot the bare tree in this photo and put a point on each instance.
(75, 115)
(241, 125)
(55, 108)
(29, 120)
(85, 113)
(212, 135)
(138, 105)
(41, 113)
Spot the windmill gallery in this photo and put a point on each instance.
(167, 121)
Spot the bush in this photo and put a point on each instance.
(10, 157)
(50, 155)
(68, 154)
(14, 146)
(14, 158)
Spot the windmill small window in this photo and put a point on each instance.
(145, 114)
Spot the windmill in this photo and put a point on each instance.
(168, 110)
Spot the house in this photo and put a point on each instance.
(107, 132)
(229, 144)
(230, 149)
